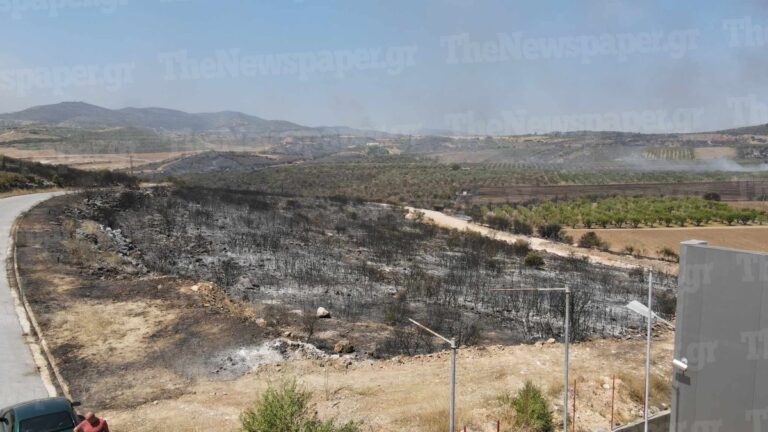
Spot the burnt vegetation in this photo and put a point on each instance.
(366, 263)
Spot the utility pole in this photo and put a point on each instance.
(566, 335)
(646, 311)
(452, 343)
(648, 349)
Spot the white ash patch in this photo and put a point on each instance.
(239, 361)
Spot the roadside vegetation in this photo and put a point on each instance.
(613, 212)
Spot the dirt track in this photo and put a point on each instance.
(452, 222)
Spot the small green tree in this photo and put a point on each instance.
(287, 409)
(531, 409)
(533, 260)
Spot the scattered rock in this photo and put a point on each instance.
(323, 313)
(550, 341)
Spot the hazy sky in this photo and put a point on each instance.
(478, 66)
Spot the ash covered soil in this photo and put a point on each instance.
(366, 264)
(152, 295)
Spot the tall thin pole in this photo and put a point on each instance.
(452, 342)
(453, 385)
(573, 424)
(565, 360)
(613, 400)
(648, 349)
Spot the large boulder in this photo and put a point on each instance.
(323, 313)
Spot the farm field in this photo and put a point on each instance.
(615, 212)
(648, 241)
(423, 183)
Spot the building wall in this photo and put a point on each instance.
(722, 330)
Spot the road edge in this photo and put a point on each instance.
(41, 354)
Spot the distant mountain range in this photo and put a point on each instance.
(81, 128)
(84, 115)
(80, 114)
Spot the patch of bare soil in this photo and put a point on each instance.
(120, 341)
(649, 241)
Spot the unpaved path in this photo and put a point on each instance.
(19, 376)
(624, 261)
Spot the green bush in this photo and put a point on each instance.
(287, 409)
(531, 409)
(591, 240)
(551, 231)
(533, 260)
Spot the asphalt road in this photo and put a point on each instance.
(19, 377)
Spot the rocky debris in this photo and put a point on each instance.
(238, 361)
(122, 244)
(550, 341)
(343, 346)
(293, 350)
(323, 313)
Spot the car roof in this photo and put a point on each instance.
(35, 408)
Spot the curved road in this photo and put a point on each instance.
(19, 377)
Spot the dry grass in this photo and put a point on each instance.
(433, 420)
(634, 383)
(555, 388)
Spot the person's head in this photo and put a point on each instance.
(91, 419)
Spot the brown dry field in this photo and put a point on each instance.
(714, 152)
(91, 161)
(113, 161)
(649, 240)
(135, 349)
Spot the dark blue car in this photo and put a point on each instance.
(42, 415)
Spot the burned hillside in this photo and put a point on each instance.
(366, 263)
